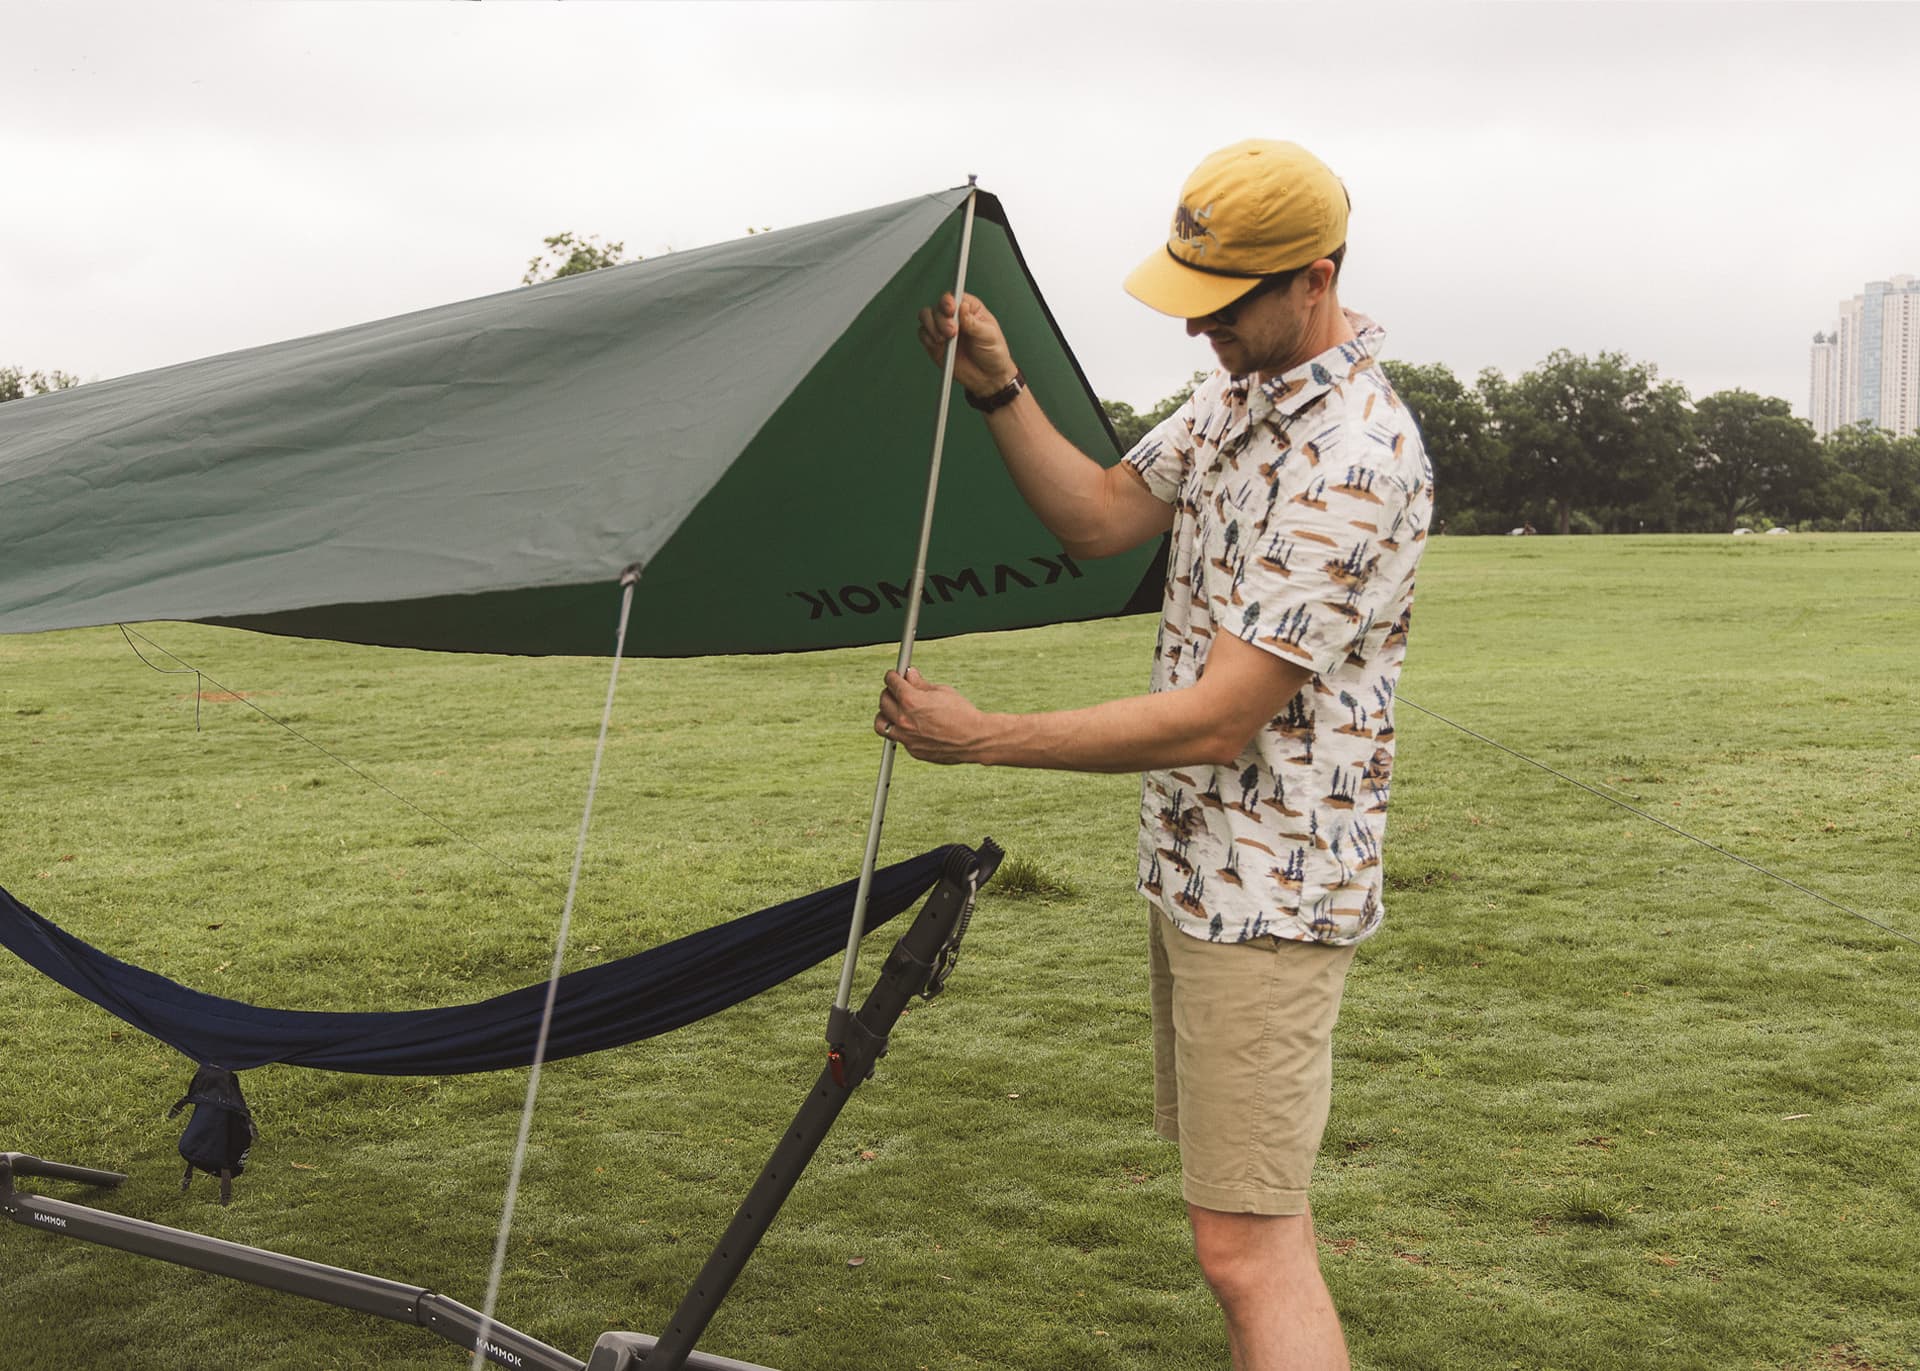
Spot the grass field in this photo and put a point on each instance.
(1604, 1100)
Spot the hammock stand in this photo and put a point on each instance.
(866, 264)
(917, 966)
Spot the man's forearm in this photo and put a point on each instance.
(1139, 733)
(1067, 489)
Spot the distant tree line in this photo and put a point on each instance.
(572, 254)
(1577, 445)
(17, 383)
(1603, 445)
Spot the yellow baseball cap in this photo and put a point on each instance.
(1250, 210)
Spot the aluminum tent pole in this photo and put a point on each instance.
(837, 1021)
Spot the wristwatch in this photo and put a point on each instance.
(1000, 398)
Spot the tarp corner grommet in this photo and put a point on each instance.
(631, 576)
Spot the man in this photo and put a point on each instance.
(1297, 495)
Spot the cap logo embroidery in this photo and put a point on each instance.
(1191, 231)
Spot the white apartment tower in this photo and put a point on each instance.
(1900, 357)
(1867, 367)
(1823, 409)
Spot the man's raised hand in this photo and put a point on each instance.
(984, 363)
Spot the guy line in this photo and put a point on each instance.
(374, 781)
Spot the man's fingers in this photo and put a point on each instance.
(930, 338)
(934, 335)
(939, 326)
(891, 720)
(893, 706)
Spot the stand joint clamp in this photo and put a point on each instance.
(852, 1049)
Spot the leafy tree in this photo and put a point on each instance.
(1874, 480)
(1846, 501)
(570, 254)
(1750, 454)
(1600, 434)
(1130, 426)
(17, 383)
(1602, 444)
(1468, 454)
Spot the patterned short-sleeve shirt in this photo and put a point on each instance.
(1301, 506)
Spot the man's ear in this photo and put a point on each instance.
(1320, 277)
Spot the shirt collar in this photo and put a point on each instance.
(1293, 390)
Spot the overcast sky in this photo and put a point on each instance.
(1697, 186)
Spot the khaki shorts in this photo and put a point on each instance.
(1243, 1063)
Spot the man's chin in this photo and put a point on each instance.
(1231, 357)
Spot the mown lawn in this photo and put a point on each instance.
(1604, 1098)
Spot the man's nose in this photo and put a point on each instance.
(1196, 327)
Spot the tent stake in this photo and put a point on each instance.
(837, 1020)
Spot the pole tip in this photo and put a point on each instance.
(972, 180)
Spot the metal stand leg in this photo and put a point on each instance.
(908, 971)
(917, 965)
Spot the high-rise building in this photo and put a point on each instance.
(1847, 363)
(1823, 410)
(1900, 357)
(1868, 366)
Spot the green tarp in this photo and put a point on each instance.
(750, 423)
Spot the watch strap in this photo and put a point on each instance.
(1000, 398)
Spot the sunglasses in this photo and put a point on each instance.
(1228, 313)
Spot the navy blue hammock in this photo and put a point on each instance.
(610, 1005)
(604, 1006)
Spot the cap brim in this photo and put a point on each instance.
(1172, 287)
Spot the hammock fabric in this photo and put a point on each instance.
(618, 1002)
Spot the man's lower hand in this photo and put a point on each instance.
(934, 723)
